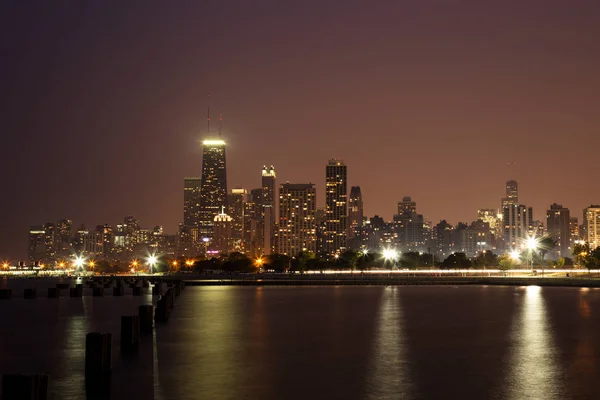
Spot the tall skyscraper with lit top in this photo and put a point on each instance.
(336, 206)
(213, 187)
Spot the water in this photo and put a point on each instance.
(467, 342)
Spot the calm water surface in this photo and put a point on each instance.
(466, 342)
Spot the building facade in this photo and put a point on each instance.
(558, 221)
(297, 230)
(591, 225)
(518, 225)
(355, 218)
(213, 186)
(336, 206)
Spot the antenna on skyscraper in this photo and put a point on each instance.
(208, 114)
(220, 124)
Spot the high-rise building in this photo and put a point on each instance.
(191, 201)
(407, 206)
(475, 239)
(336, 206)
(37, 247)
(62, 237)
(237, 207)
(107, 237)
(355, 218)
(518, 225)
(131, 230)
(512, 194)
(591, 225)
(558, 222)
(269, 191)
(575, 234)
(443, 234)
(213, 190)
(297, 230)
(222, 242)
(50, 242)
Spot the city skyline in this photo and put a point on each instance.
(443, 105)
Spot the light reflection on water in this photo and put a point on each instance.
(388, 374)
(533, 371)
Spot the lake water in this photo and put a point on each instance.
(416, 342)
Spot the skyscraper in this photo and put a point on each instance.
(297, 230)
(591, 225)
(558, 225)
(518, 225)
(191, 201)
(222, 233)
(355, 218)
(37, 248)
(512, 194)
(269, 195)
(237, 206)
(213, 190)
(336, 206)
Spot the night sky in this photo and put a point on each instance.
(103, 104)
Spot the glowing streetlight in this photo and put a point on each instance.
(531, 243)
(61, 264)
(92, 264)
(515, 256)
(189, 263)
(337, 256)
(151, 261)
(135, 263)
(259, 262)
(5, 265)
(390, 254)
(79, 261)
(365, 252)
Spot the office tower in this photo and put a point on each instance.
(409, 226)
(107, 237)
(297, 230)
(575, 234)
(131, 230)
(80, 239)
(237, 204)
(591, 225)
(407, 206)
(475, 239)
(355, 218)
(518, 225)
(62, 237)
(222, 242)
(443, 234)
(558, 222)
(336, 206)
(37, 248)
(492, 217)
(213, 186)
(191, 201)
(269, 204)
(512, 194)
(50, 242)
(320, 225)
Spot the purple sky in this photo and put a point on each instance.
(103, 105)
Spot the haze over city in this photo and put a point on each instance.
(104, 107)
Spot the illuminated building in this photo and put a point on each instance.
(512, 194)
(297, 230)
(591, 225)
(62, 237)
(213, 186)
(409, 226)
(355, 218)
(269, 191)
(476, 238)
(191, 201)
(575, 233)
(50, 242)
(131, 230)
(222, 233)
(518, 225)
(443, 234)
(237, 207)
(493, 219)
(336, 206)
(558, 221)
(107, 237)
(37, 247)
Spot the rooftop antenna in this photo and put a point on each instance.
(220, 124)
(208, 114)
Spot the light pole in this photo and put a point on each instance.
(151, 261)
(390, 255)
(532, 245)
(79, 261)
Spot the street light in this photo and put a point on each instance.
(531, 244)
(259, 262)
(79, 261)
(92, 264)
(5, 265)
(515, 256)
(390, 255)
(151, 261)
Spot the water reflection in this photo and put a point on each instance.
(533, 370)
(388, 374)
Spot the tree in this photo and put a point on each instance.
(349, 259)
(581, 251)
(560, 262)
(486, 259)
(456, 260)
(545, 245)
(410, 260)
(505, 262)
(277, 262)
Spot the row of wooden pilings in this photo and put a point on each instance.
(98, 345)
